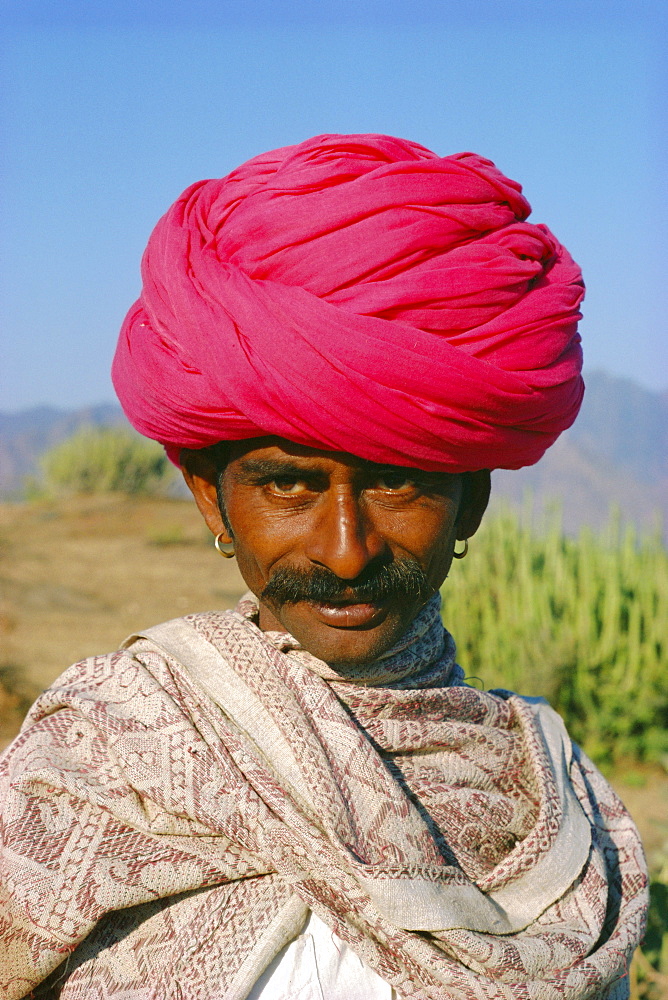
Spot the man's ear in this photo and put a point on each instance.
(475, 497)
(200, 471)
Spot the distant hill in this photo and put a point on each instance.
(617, 452)
(625, 425)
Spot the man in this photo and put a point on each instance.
(302, 798)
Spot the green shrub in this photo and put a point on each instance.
(649, 971)
(583, 622)
(106, 460)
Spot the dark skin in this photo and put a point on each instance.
(288, 506)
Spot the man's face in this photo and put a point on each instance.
(341, 552)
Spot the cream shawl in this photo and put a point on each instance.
(171, 813)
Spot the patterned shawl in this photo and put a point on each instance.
(172, 811)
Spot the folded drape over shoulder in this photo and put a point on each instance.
(171, 812)
(356, 293)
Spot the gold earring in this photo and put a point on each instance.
(227, 554)
(460, 555)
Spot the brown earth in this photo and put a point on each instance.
(77, 577)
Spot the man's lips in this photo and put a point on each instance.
(340, 613)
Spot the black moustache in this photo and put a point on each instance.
(404, 578)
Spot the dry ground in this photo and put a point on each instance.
(77, 577)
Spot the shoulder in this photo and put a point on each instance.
(136, 686)
(114, 732)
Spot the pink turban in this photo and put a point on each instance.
(356, 293)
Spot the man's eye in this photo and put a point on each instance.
(394, 482)
(287, 487)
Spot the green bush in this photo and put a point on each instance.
(649, 971)
(106, 460)
(583, 622)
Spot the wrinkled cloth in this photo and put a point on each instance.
(356, 293)
(168, 822)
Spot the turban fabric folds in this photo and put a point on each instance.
(356, 293)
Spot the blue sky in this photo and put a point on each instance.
(110, 110)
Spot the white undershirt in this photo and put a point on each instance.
(318, 965)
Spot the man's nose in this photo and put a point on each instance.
(344, 537)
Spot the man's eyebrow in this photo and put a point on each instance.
(266, 467)
(381, 468)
